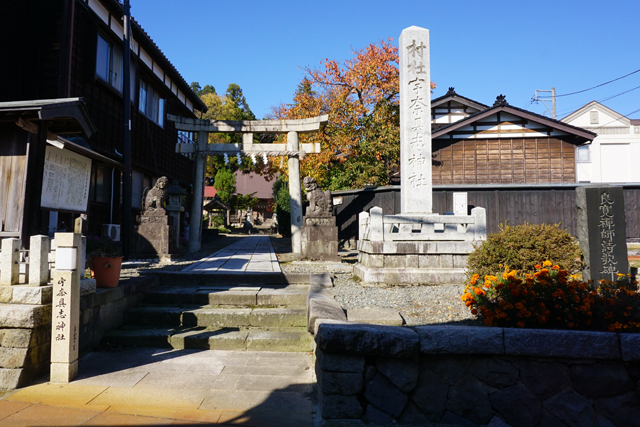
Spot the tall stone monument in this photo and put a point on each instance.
(416, 246)
(602, 232)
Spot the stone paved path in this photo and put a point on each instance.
(146, 386)
(250, 254)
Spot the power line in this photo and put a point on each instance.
(602, 84)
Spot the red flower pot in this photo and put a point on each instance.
(106, 271)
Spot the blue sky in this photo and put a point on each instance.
(482, 48)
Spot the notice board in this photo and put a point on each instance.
(65, 182)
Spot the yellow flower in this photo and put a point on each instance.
(547, 263)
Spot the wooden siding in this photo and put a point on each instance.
(13, 149)
(503, 161)
(152, 146)
(535, 205)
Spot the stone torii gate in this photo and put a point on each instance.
(292, 149)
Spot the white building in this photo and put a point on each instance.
(613, 155)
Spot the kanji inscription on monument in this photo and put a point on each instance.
(66, 310)
(602, 231)
(415, 121)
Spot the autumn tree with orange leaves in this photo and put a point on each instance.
(361, 141)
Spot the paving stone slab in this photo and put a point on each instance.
(378, 316)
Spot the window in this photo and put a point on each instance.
(109, 66)
(583, 154)
(594, 117)
(100, 186)
(151, 104)
(185, 137)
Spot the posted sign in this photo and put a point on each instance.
(65, 182)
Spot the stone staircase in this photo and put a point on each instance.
(218, 317)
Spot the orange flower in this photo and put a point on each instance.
(474, 311)
(519, 305)
(521, 324)
(479, 291)
(556, 267)
(538, 266)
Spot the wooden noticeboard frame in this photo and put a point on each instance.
(65, 181)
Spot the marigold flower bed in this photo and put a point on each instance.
(551, 298)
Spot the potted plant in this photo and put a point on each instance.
(105, 260)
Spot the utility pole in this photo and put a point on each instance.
(546, 98)
(126, 95)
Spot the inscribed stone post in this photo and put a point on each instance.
(602, 231)
(415, 121)
(66, 308)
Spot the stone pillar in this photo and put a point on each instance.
(415, 122)
(295, 193)
(65, 327)
(376, 226)
(10, 258)
(195, 227)
(602, 232)
(39, 248)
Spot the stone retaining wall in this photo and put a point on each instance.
(474, 376)
(103, 310)
(25, 324)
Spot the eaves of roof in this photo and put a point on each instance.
(145, 40)
(462, 99)
(556, 124)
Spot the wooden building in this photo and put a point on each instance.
(501, 144)
(67, 54)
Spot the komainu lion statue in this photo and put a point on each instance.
(155, 198)
(319, 201)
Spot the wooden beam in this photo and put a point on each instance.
(27, 125)
(249, 126)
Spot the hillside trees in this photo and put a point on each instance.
(361, 142)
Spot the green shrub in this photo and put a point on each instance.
(521, 247)
(282, 205)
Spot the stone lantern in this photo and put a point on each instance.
(174, 208)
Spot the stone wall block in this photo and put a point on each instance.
(495, 372)
(469, 398)
(412, 415)
(35, 295)
(451, 418)
(430, 395)
(402, 373)
(323, 307)
(24, 316)
(16, 338)
(555, 343)
(594, 380)
(336, 406)
(394, 261)
(412, 261)
(376, 416)
(385, 396)
(12, 357)
(572, 409)
(630, 347)
(622, 411)
(544, 378)
(517, 406)
(341, 363)
(460, 340)
(342, 383)
(11, 379)
(450, 367)
(428, 261)
(368, 340)
(6, 294)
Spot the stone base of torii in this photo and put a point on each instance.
(292, 149)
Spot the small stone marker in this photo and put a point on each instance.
(415, 121)
(66, 308)
(602, 232)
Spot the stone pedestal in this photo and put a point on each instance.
(156, 235)
(319, 238)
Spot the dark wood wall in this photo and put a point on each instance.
(513, 205)
(13, 150)
(503, 161)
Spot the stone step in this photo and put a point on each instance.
(215, 317)
(290, 295)
(252, 339)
